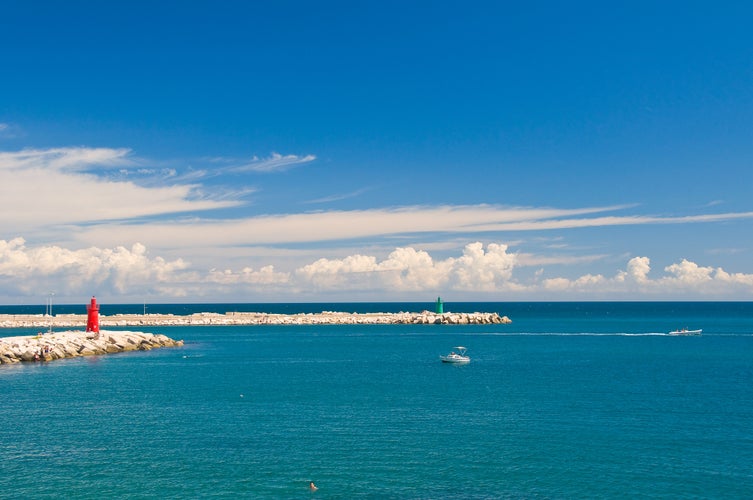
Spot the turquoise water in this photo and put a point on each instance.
(570, 401)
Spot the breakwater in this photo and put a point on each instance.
(255, 318)
(72, 344)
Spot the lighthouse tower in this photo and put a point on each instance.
(92, 317)
(439, 308)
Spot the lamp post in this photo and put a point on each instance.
(50, 310)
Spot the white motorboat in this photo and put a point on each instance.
(685, 331)
(456, 357)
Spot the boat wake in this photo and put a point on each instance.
(581, 334)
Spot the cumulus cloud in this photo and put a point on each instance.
(682, 279)
(735, 279)
(248, 276)
(486, 270)
(690, 272)
(637, 270)
(119, 269)
(124, 271)
(408, 269)
(483, 270)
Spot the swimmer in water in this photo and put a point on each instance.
(312, 486)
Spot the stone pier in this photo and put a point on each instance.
(255, 318)
(59, 345)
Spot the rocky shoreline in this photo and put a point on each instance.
(72, 344)
(255, 318)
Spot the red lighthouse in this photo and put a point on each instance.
(92, 317)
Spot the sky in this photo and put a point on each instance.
(290, 151)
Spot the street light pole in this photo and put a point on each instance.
(51, 295)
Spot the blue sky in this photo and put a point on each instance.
(319, 151)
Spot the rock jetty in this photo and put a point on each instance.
(72, 344)
(256, 318)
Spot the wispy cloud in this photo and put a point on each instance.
(63, 159)
(35, 185)
(67, 177)
(74, 198)
(725, 251)
(274, 163)
(569, 223)
(324, 226)
(541, 260)
(8, 131)
(337, 197)
(347, 225)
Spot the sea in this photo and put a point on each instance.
(570, 400)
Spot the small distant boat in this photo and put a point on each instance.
(456, 357)
(685, 331)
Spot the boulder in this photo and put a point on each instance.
(28, 355)
(112, 348)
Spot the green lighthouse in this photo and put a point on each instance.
(439, 309)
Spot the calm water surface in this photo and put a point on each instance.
(569, 401)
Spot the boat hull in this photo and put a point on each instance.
(458, 360)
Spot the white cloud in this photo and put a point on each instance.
(44, 188)
(345, 273)
(356, 224)
(588, 281)
(684, 279)
(337, 197)
(547, 223)
(479, 271)
(63, 195)
(408, 269)
(526, 259)
(62, 158)
(274, 163)
(735, 279)
(638, 269)
(54, 195)
(557, 284)
(248, 276)
(690, 272)
(320, 226)
(119, 269)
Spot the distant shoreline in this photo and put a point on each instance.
(252, 318)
